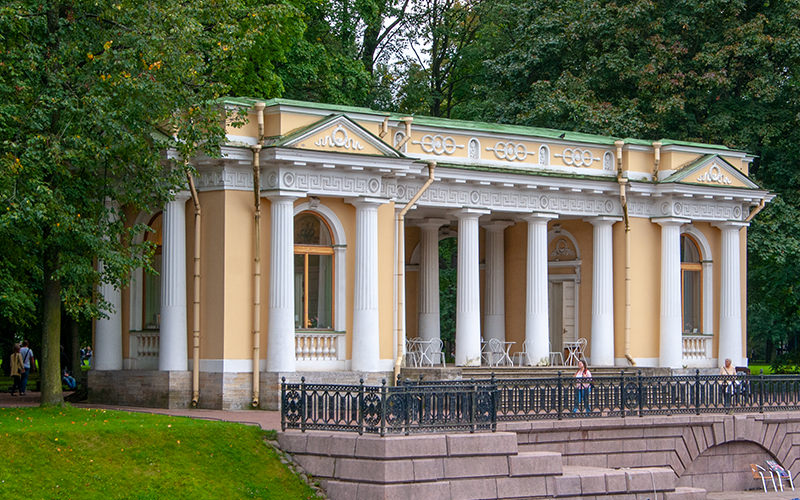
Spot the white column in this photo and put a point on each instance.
(280, 326)
(108, 331)
(494, 320)
(172, 355)
(671, 330)
(730, 301)
(429, 279)
(366, 317)
(468, 301)
(537, 321)
(602, 353)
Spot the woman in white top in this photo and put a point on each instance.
(582, 387)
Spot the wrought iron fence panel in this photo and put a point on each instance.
(414, 406)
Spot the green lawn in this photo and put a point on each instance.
(89, 453)
(756, 369)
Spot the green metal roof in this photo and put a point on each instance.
(477, 126)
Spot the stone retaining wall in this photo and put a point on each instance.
(463, 467)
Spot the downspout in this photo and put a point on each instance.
(623, 201)
(407, 120)
(259, 108)
(400, 270)
(656, 159)
(755, 211)
(196, 298)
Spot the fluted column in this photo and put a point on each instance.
(366, 345)
(730, 300)
(537, 320)
(468, 301)
(494, 320)
(280, 328)
(671, 342)
(108, 331)
(602, 353)
(172, 355)
(429, 279)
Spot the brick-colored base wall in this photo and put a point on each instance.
(141, 388)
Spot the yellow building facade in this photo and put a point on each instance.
(318, 255)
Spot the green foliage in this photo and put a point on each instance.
(90, 453)
(448, 274)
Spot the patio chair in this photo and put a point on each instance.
(760, 473)
(431, 352)
(780, 472)
(494, 352)
(520, 358)
(412, 353)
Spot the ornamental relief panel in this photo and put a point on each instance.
(227, 177)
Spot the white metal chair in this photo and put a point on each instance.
(760, 473)
(778, 470)
(522, 356)
(431, 352)
(412, 353)
(494, 352)
(556, 356)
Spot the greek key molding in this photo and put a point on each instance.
(235, 178)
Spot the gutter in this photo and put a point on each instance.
(196, 295)
(400, 268)
(259, 108)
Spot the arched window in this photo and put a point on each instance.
(313, 272)
(691, 285)
(151, 293)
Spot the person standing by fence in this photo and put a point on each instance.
(583, 387)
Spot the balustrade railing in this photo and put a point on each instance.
(317, 346)
(426, 406)
(144, 347)
(696, 347)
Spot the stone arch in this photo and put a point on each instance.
(754, 438)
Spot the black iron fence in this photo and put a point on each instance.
(414, 406)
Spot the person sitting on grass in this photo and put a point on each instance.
(69, 380)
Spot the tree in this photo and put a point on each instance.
(91, 96)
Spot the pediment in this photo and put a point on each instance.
(712, 170)
(338, 133)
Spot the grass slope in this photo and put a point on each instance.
(88, 453)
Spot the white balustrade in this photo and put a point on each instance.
(317, 346)
(144, 347)
(696, 347)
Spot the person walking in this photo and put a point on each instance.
(16, 371)
(28, 365)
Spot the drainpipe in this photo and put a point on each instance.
(259, 108)
(656, 159)
(623, 200)
(755, 211)
(196, 298)
(407, 120)
(400, 271)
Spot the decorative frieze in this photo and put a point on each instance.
(714, 175)
(511, 151)
(438, 144)
(577, 157)
(339, 138)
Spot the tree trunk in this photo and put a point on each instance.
(51, 338)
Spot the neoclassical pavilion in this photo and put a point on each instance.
(318, 253)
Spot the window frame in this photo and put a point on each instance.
(698, 267)
(305, 250)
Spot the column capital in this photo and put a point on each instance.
(431, 223)
(471, 213)
(730, 224)
(367, 201)
(497, 225)
(282, 194)
(670, 221)
(602, 220)
(182, 196)
(539, 217)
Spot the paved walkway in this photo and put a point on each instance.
(271, 420)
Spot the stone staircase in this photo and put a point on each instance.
(465, 467)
